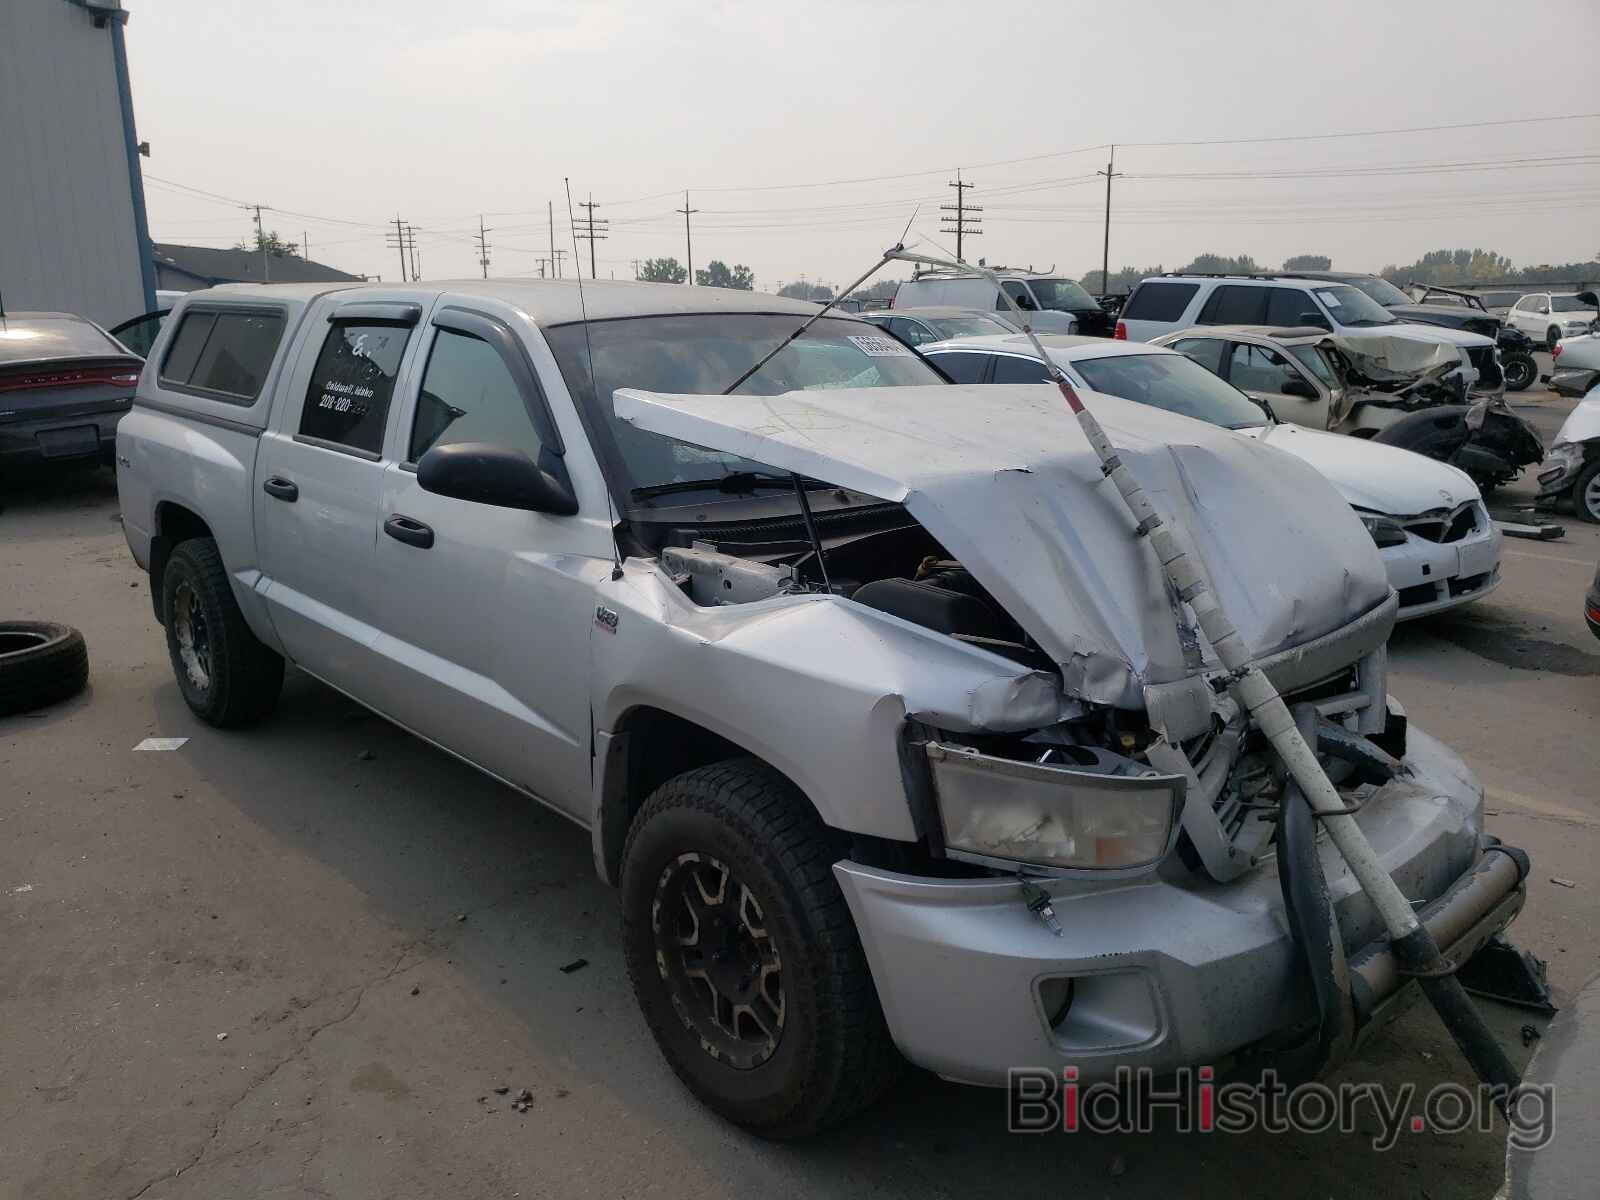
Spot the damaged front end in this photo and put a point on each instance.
(1092, 875)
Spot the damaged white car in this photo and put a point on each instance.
(1438, 543)
(878, 708)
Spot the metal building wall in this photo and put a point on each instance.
(71, 213)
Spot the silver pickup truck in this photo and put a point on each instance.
(875, 706)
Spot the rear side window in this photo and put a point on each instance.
(1232, 304)
(1159, 301)
(224, 354)
(1010, 369)
(468, 395)
(962, 366)
(1288, 307)
(351, 385)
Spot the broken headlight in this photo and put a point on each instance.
(1021, 812)
(1386, 531)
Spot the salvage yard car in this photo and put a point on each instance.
(1438, 543)
(64, 385)
(873, 704)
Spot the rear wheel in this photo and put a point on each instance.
(1586, 493)
(225, 673)
(743, 954)
(1520, 371)
(1551, 337)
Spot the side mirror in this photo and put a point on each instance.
(488, 474)
(1302, 388)
(1589, 299)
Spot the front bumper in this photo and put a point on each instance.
(1430, 577)
(1165, 972)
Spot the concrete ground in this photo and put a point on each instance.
(308, 959)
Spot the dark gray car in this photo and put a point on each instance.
(64, 385)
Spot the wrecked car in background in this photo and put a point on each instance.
(1393, 389)
(1439, 545)
(873, 701)
(1571, 470)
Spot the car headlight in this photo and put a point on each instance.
(1050, 816)
(1385, 531)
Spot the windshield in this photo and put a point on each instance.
(1567, 304)
(702, 354)
(1381, 290)
(1174, 382)
(1353, 307)
(954, 327)
(1063, 295)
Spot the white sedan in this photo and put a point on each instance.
(1438, 543)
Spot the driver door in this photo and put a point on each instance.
(1266, 375)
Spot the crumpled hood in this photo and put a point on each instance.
(1004, 478)
(1396, 358)
(1373, 476)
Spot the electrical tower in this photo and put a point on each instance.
(688, 238)
(595, 230)
(963, 225)
(483, 246)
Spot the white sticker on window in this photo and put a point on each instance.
(1329, 299)
(878, 346)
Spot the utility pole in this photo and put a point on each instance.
(305, 246)
(962, 225)
(596, 229)
(411, 239)
(1105, 249)
(483, 247)
(688, 239)
(550, 211)
(261, 244)
(635, 269)
(399, 241)
(560, 255)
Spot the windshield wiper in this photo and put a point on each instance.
(735, 483)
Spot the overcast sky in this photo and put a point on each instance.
(341, 116)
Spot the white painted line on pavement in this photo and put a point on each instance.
(161, 743)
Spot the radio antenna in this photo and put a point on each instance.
(588, 353)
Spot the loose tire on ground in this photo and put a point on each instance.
(41, 663)
(832, 1054)
(224, 672)
(1520, 372)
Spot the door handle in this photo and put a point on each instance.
(411, 532)
(281, 488)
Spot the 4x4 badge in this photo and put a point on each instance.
(605, 618)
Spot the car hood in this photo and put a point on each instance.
(1447, 316)
(1370, 475)
(1583, 422)
(1004, 478)
(1421, 333)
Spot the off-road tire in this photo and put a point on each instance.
(834, 1055)
(1586, 481)
(41, 663)
(243, 677)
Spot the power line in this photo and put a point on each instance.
(1323, 137)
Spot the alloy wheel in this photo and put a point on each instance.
(194, 637)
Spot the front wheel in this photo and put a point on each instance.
(1586, 493)
(226, 675)
(743, 954)
(1520, 371)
